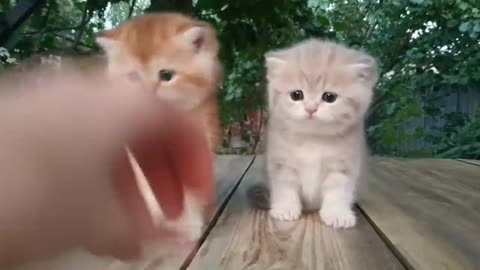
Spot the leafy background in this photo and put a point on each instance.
(428, 50)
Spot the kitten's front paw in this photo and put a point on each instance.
(286, 213)
(338, 217)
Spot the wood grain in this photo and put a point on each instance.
(428, 209)
(246, 238)
(228, 170)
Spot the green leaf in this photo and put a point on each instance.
(390, 108)
(417, 1)
(390, 139)
(450, 153)
(396, 3)
(340, 26)
(452, 23)
(476, 28)
(464, 27)
(464, 6)
(323, 21)
(371, 129)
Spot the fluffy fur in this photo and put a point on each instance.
(145, 46)
(316, 149)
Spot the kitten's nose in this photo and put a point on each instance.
(311, 111)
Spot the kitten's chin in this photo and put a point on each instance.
(179, 101)
(316, 127)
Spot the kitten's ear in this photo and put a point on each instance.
(107, 41)
(114, 51)
(366, 68)
(197, 36)
(273, 61)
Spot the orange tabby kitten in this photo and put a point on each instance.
(175, 57)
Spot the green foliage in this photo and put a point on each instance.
(247, 30)
(463, 141)
(69, 25)
(425, 49)
(5, 57)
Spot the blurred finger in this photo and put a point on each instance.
(173, 148)
(157, 168)
(188, 153)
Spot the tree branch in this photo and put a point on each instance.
(16, 17)
(80, 43)
(48, 30)
(370, 30)
(86, 16)
(132, 8)
(371, 27)
(47, 15)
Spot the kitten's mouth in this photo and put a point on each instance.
(178, 101)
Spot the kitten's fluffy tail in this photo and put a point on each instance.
(259, 196)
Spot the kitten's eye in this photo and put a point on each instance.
(296, 95)
(166, 74)
(329, 97)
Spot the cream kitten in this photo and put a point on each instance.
(318, 93)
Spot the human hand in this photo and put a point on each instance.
(65, 180)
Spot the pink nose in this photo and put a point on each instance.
(311, 110)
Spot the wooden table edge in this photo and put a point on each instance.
(213, 220)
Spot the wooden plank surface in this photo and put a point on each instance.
(429, 210)
(471, 161)
(228, 170)
(246, 238)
